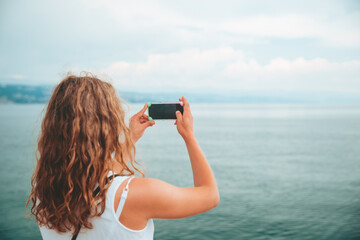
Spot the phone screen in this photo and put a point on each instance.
(164, 110)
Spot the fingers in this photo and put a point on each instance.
(141, 114)
(142, 111)
(145, 116)
(178, 117)
(150, 123)
(186, 105)
(185, 101)
(142, 120)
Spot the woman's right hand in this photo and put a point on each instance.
(184, 122)
(151, 198)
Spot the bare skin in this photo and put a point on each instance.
(153, 198)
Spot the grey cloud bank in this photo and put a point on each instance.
(302, 46)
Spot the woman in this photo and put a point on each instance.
(83, 146)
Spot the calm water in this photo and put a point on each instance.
(284, 171)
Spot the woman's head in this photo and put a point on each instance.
(83, 136)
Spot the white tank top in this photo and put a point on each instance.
(107, 226)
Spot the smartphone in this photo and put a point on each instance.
(158, 111)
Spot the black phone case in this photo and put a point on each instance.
(158, 111)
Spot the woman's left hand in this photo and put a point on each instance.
(138, 123)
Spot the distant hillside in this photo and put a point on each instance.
(204, 98)
(40, 94)
(24, 94)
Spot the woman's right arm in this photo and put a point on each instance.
(152, 198)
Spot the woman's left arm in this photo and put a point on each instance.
(138, 123)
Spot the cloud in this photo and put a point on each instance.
(184, 43)
(186, 69)
(17, 76)
(190, 61)
(228, 69)
(140, 13)
(336, 30)
(339, 32)
(14, 77)
(316, 74)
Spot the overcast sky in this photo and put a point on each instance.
(185, 45)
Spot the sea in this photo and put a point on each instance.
(283, 171)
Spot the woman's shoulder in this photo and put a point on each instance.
(154, 198)
(138, 187)
(134, 214)
(142, 193)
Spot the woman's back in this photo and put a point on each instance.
(107, 226)
(84, 138)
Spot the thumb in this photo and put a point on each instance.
(150, 123)
(179, 116)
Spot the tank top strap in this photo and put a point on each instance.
(123, 198)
